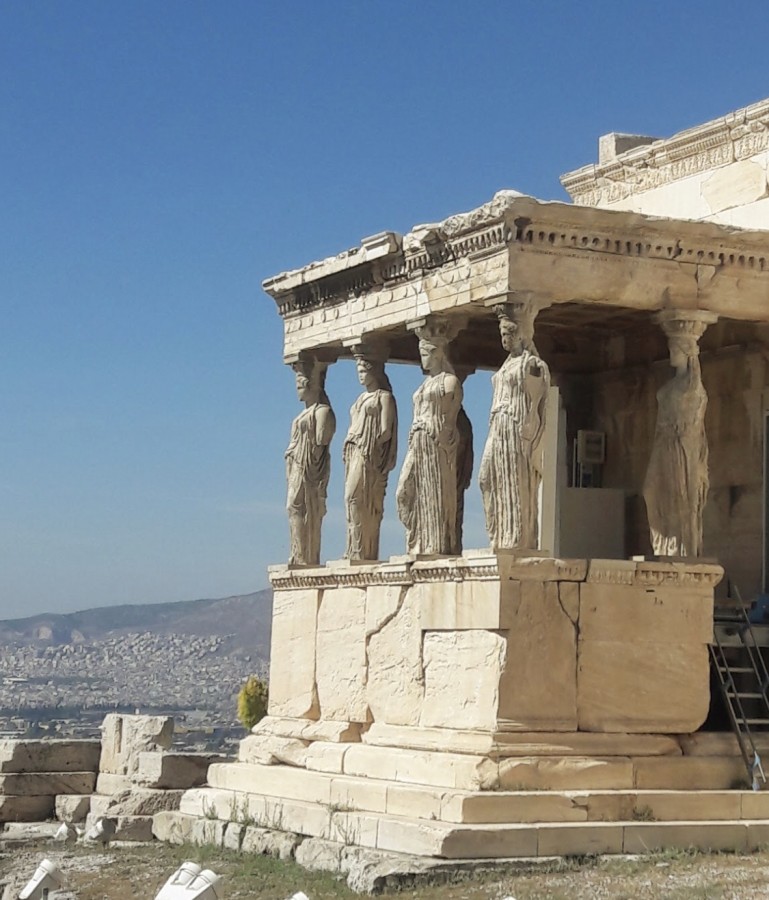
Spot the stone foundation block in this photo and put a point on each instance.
(39, 783)
(690, 773)
(571, 773)
(645, 837)
(49, 756)
(340, 661)
(293, 691)
(462, 676)
(266, 842)
(233, 836)
(268, 750)
(26, 809)
(538, 690)
(208, 832)
(621, 686)
(72, 807)
(109, 784)
(578, 840)
(173, 771)
(173, 827)
(142, 802)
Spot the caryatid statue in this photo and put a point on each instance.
(308, 463)
(427, 489)
(676, 484)
(370, 450)
(510, 471)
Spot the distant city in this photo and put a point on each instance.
(60, 680)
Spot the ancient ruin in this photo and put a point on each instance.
(549, 693)
(545, 694)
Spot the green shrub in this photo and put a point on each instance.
(252, 701)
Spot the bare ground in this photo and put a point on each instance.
(136, 872)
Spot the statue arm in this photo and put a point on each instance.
(386, 417)
(325, 426)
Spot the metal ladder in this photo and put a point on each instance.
(754, 683)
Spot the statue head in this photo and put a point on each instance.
(370, 363)
(310, 381)
(434, 338)
(516, 327)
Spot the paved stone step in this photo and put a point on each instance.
(439, 804)
(497, 808)
(403, 835)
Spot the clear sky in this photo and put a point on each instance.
(159, 160)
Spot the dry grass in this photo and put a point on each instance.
(137, 872)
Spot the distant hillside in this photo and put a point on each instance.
(246, 620)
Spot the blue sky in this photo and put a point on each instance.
(159, 160)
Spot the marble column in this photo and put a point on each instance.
(676, 485)
(308, 462)
(370, 451)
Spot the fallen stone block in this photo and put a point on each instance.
(265, 841)
(142, 802)
(72, 807)
(319, 855)
(53, 783)
(177, 771)
(49, 756)
(125, 737)
(173, 827)
(269, 750)
(127, 828)
(26, 809)
(109, 784)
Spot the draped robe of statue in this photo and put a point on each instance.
(509, 474)
(368, 461)
(308, 466)
(676, 484)
(427, 489)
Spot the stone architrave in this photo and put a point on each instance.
(676, 485)
(510, 471)
(370, 451)
(427, 488)
(308, 462)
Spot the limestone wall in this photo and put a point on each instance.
(624, 406)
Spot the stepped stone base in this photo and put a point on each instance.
(484, 806)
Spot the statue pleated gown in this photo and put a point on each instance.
(308, 466)
(676, 484)
(368, 461)
(509, 473)
(427, 489)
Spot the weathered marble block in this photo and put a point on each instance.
(293, 687)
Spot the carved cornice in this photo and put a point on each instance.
(734, 137)
(493, 567)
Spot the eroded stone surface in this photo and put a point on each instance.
(49, 756)
(124, 738)
(395, 683)
(538, 690)
(463, 670)
(341, 655)
(293, 691)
